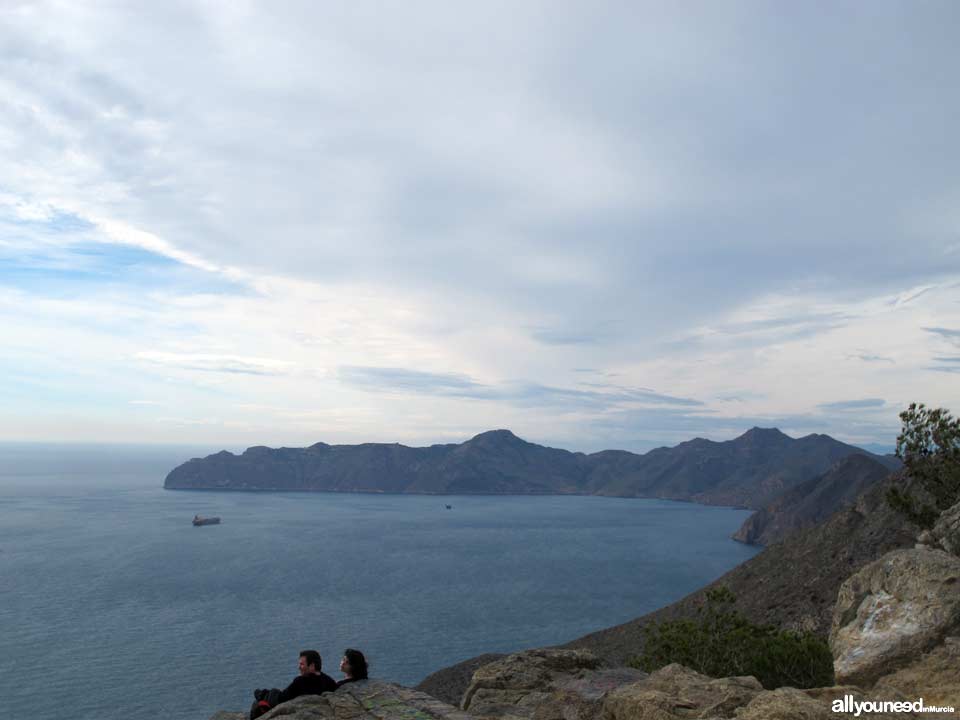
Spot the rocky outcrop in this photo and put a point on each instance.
(565, 685)
(891, 611)
(748, 471)
(946, 531)
(543, 684)
(813, 501)
(366, 700)
(576, 685)
(678, 692)
(816, 704)
(785, 704)
(934, 676)
(450, 683)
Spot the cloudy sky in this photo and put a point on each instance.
(597, 224)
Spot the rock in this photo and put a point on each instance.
(450, 683)
(891, 611)
(226, 715)
(674, 692)
(946, 532)
(815, 704)
(785, 704)
(367, 700)
(935, 677)
(545, 685)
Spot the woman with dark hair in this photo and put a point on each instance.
(353, 665)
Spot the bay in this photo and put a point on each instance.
(113, 605)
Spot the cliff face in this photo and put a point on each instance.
(747, 471)
(812, 501)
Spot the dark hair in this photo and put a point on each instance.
(357, 662)
(313, 658)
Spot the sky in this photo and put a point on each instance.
(600, 225)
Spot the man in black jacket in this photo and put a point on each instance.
(310, 681)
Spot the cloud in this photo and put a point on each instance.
(853, 405)
(561, 336)
(473, 203)
(216, 363)
(543, 395)
(866, 357)
(804, 323)
(519, 393)
(386, 379)
(909, 296)
(948, 334)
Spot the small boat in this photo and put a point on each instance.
(449, 507)
(198, 521)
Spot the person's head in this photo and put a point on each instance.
(354, 664)
(310, 662)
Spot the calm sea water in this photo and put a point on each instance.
(112, 605)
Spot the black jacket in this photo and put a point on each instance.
(309, 684)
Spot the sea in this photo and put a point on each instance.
(112, 605)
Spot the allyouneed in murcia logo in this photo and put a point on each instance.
(848, 705)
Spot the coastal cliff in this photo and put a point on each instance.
(812, 501)
(749, 471)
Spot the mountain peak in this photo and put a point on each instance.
(496, 436)
(763, 435)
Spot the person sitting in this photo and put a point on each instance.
(353, 666)
(310, 681)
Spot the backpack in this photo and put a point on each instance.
(264, 701)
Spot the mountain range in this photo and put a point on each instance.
(749, 471)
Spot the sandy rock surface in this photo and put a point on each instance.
(544, 684)
(675, 692)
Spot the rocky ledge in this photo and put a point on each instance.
(364, 700)
(577, 685)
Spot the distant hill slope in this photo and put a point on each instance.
(749, 471)
(812, 501)
(792, 584)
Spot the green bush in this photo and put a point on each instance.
(721, 642)
(929, 445)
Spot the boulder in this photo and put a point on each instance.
(785, 704)
(367, 700)
(946, 532)
(545, 685)
(891, 611)
(816, 704)
(675, 692)
(450, 683)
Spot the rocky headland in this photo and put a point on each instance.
(813, 501)
(749, 471)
